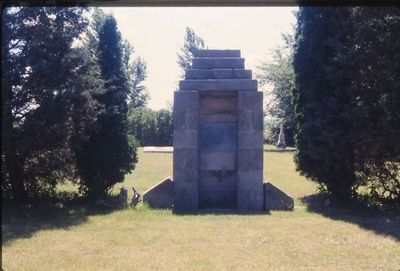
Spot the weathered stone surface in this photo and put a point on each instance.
(185, 139)
(250, 100)
(160, 195)
(185, 158)
(251, 120)
(218, 63)
(250, 179)
(185, 200)
(219, 85)
(218, 160)
(218, 74)
(251, 139)
(218, 102)
(250, 159)
(218, 53)
(217, 198)
(218, 179)
(218, 136)
(186, 100)
(250, 199)
(276, 199)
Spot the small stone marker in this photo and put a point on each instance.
(281, 139)
(276, 199)
(160, 195)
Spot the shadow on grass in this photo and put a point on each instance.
(222, 212)
(383, 222)
(23, 222)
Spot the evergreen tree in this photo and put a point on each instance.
(323, 104)
(39, 67)
(192, 43)
(108, 153)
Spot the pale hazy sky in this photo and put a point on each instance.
(157, 34)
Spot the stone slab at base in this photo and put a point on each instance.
(276, 199)
(160, 195)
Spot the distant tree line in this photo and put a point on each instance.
(347, 99)
(68, 81)
(151, 127)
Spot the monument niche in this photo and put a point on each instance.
(218, 136)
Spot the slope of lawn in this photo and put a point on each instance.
(81, 237)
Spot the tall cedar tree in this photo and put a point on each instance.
(323, 105)
(42, 76)
(108, 153)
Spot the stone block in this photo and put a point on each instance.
(219, 85)
(218, 160)
(250, 100)
(250, 199)
(218, 179)
(185, 200)
(185, 159)
(218, 53)
(185, 139)
(276, 199)
(221, 199)
(218, 102)
(218, 74)
(250, 179)
(185, 178)
(218, 63)
(250, 159)
(188, 120)
(251, 120)
(186, 100)
(219, 118)
(218, 137)
(251, 139)
(160, 195)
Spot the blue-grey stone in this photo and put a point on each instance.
(218, 53)
(218, 63)
(218, 74)
(218, 136)
(219, 85)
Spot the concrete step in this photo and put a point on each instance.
(221, 84)
(218, 63)
(218, 74)
(218, 53)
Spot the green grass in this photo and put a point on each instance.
(80, 237)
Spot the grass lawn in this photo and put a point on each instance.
(79, 237)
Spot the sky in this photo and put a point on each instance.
(157, 34)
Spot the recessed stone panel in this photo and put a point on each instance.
(218, 137)
(219, 85)
(218, 179)
(221, 199)
(218, 160)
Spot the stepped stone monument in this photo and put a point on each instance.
(218, 136)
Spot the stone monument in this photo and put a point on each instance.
(218, 136)
(281, 139)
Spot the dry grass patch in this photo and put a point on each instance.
(87, 238)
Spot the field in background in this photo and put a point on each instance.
(79, 237)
